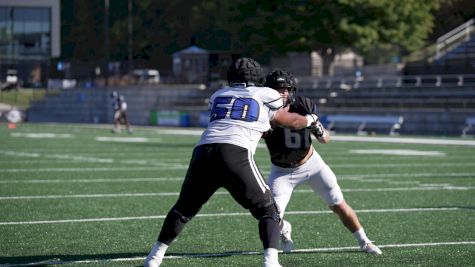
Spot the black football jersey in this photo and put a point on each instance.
(286, 146)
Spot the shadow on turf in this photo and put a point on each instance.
(65, 259)
(50, 260)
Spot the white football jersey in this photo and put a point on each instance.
(239, 115)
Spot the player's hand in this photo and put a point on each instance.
(311, 120)
(317, 129)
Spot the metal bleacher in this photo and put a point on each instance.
(429, 104)
(457, 44)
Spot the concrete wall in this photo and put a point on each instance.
(95, 106)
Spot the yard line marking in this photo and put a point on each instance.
(430, 141)
(42, 135)
(238, 253)
(180, 132)
(384, 165)
(167, 166)
(101, 180)
(390, 189)
(386, 246)
(92, 196)
(225, 214)
(122, 139)
(425, 174)
(398, 152)
(362, 177)
(99, 169)
(442, 187)
(427, 141)
(75, 158)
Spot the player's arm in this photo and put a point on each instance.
(292, 120)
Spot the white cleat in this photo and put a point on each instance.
(286, 242)
(153, 259)
(371, 248)
(271, 264)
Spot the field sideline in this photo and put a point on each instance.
(80, 195)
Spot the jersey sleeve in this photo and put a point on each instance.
(306, 105)
(272, 99)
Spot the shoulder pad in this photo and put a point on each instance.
(305, 105)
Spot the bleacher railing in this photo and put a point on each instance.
(450, 40)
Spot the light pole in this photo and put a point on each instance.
(106, 43)
(130, 31)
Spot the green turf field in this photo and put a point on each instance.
(83, 196)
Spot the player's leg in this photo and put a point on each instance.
(349, 218)
(195, 191)
(126, 122)
(324, 183)
(116, 121)
(247, 186)
(281, 186)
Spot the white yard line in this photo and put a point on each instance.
(400, 140)
(239, 253)
(124, 139)
(224, 215)
(422, 188)
(390, 189)
(42, 135)
(100, 180)
(168, 166)
(411, 174)
(75, 158)
(426, 141)
(362, 177)
(101, 169)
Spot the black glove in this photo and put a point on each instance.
(317, 129)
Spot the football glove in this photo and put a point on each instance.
(311, 119)
(317, 129)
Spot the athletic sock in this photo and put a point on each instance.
(161, 248)
(361, 237)
(271, 255)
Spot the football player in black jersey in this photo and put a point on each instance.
(224, 158)
(295, 161)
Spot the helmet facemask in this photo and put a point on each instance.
(280, 79)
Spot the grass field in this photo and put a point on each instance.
(82, 196)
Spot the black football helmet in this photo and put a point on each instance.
(282, 79)
(246, 71)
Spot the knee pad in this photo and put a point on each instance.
(268, 212)
(180, 216)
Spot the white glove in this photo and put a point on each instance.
(311, 119)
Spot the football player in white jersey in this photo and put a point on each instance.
(223, 157)
(295, 161)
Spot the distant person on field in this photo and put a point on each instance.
(295, 162)
(120, 112)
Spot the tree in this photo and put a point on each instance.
(377, 29)
(83, 29)
(329, 26)
(451, 14)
